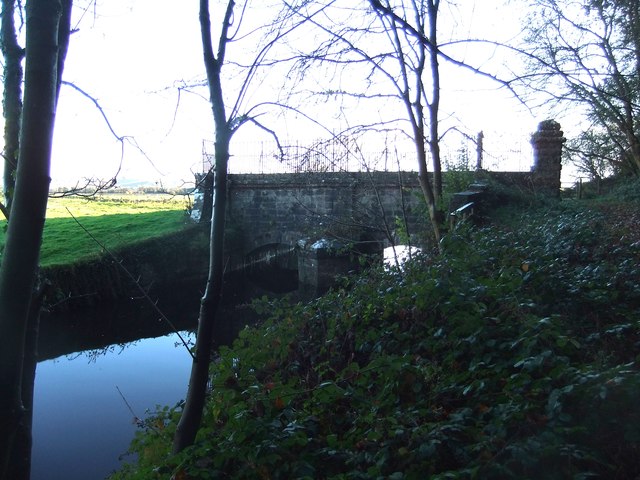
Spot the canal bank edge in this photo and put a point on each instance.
(155, 263)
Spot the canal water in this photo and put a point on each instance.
(100, 368)
(85, 404)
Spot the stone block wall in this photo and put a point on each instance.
(353, 206)
(547, 144)
(283, 208)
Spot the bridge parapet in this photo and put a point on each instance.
(353, 206)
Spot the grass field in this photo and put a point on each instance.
(114, 221)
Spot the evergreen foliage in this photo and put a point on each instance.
(512, 355)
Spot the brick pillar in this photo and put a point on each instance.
(547, 157)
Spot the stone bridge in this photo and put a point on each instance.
(273, 217)
(274, 212)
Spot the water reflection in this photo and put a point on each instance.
(98, 375)
(96, 379)
(81, 423)
(118, 323)
(93, 355)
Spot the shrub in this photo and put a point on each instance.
(503, 358)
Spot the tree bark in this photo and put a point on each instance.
(196, 396)
(427, 189)
(12, 99)
(434, 105)
(64, 33)
(24, 235)
(19, 467)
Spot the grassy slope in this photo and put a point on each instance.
(113, 221)
(514, 355)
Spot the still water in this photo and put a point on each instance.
(81, 424)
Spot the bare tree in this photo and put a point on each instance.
(396, 65)
(227, 123)
(417, 62)
(192, 413)
(586, 55)
(593, 154)
(394, 48)
(13, 55)
(47, 35)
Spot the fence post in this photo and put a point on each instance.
(479, 150)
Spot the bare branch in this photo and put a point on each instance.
(122, 139)
(282, 30)
(224, 34)
(89, 188)
(97, 105)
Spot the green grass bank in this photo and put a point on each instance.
(113, 221)
(148, 234)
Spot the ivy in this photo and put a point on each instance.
(513, 355)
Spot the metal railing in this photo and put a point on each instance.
(339, 154)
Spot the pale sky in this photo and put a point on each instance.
(130, 54)
(128, 57)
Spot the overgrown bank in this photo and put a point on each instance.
(513, 355)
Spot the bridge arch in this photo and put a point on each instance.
(273, 267)
(284, 208)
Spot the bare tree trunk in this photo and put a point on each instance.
(64, 33)
(196, 395)
(434, 105)
(12, 99)
(192, 414)
(19, 467)
(632, 14)
(412, 73)
(24, 235)
(427, 192)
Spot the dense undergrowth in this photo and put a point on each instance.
(513, 355)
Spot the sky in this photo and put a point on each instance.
(130, 55)
(128, 58)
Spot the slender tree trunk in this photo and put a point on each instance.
(196, 395)
(434, 105)
(635, 153)
(415, 107)
(12, 98)
(19, 467)
(24, 235)
(64, 33)
(427, 189)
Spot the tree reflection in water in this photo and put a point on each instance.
(93, 354)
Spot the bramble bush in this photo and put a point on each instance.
(512, 355)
